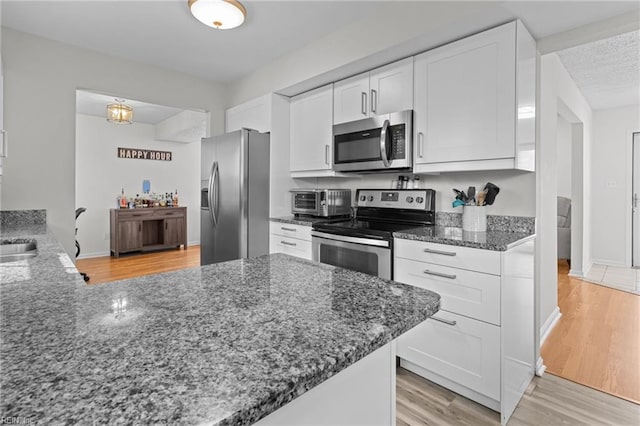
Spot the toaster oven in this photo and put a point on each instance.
(321, 202)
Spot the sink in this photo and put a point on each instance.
(10, 251)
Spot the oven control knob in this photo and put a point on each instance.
(419, 200)
(363, 197)
(370, 197)
(409, 200)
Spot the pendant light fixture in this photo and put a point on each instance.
(218, 14)
(118, 113)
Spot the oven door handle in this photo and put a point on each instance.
(384, 133)
(347, 239)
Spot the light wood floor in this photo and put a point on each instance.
(597, 340)
(106, 269)
(549, 400)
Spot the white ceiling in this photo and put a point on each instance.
(163, 32)
(606, 71)
(90, 103)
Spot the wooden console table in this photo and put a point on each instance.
(147, 229)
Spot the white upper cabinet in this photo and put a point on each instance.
(254, 114)
(467, 96)
(311, 133)
(380, 91)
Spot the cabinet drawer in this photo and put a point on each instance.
(467, 352)
(292, 246)
(159, 214)
(289, 230)
(486, 261)
(469, 293)
(134, 214)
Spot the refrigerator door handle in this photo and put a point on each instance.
(212, 183)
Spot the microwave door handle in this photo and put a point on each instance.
(383, 144)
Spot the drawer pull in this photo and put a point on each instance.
(439, 274)
(288, 229)
(444, 321)
(444, 253)
(286, 243)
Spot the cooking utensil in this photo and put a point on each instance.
(458, 194)
(471, 194)
(492, 191)
(480, 198)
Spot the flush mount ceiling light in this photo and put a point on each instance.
(219, 14)
(119, 113)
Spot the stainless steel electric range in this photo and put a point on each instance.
(365, 243)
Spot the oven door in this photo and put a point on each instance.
(372, 257)
(305, 202)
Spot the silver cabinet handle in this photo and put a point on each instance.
(5, 143)
(286, 243)
(439, 274)
(288, 229)
(444, 253)
(327, 150)
(444, 321)
(364, 103)
(374, 101)
(420, 143)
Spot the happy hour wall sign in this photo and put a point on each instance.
(144, 154)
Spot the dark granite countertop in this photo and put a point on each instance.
(220, 344)
(489, 240)
(301, 220)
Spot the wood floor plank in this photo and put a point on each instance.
(106, 269)
(597, 340)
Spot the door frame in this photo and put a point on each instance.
(633, 254)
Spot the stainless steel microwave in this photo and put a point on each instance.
(380, 143)
(321, 202)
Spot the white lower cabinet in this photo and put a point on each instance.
(461, 349)
(480, 343)
(290, 239)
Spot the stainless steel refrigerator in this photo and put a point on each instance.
(234, 201)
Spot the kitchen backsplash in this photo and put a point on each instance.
(494, 222)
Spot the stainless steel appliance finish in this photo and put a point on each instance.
(321, 202)
(380, 143)
(365, 243)
(234, 209)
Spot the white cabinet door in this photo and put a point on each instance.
(465, 100)
(465, 351)
(392, 87)
(255, 114)
(351, 99)
(311, 130)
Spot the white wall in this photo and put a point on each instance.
(564, 157)
(611, 184)
(557, 91)
(40, 81)
(100, 176)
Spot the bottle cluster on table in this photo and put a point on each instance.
(146, 200)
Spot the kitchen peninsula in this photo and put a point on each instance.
(231, 343)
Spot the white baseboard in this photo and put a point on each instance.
(609, 262)
(95, 254)
(575, 273)
(540, 367)
(549, 324)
